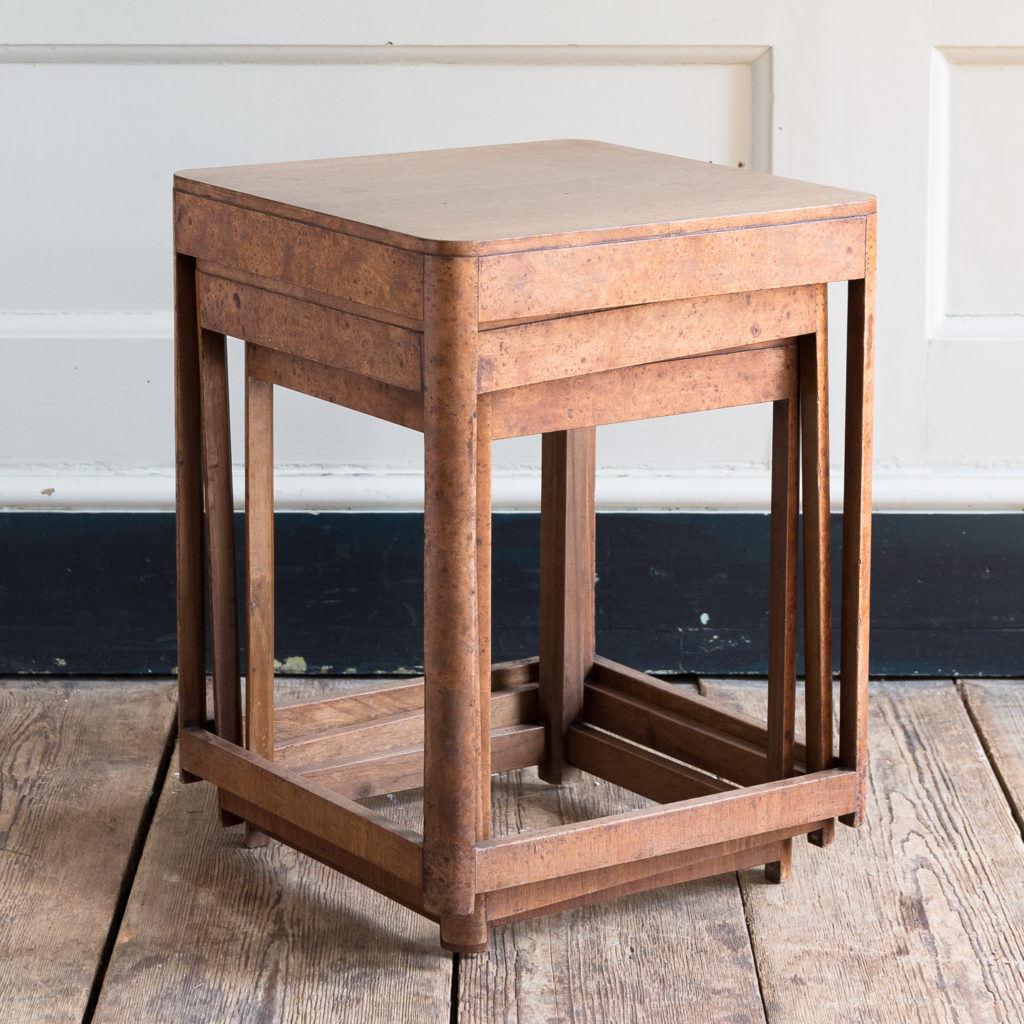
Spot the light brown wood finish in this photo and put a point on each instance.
(675, 735)
(395, 770)
(188, 520)
(75, 781)
(259, 546)
(921, 911)
(685, 825)
(215, 932)
(494, 293)
(483, 605)
(642, 392)
(566, 346)
(661, 270)
(451, 655)
(220, 535)
(281, 323)
(675, 954)
(378, 276)
(685, 703)
(782, 567)
(515, 706)
(566, 586)
(373, 397)
(637, 768)
(817, 557)
(856, 593)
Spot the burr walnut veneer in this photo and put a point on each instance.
(486, 293)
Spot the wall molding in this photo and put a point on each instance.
(319, 54)
(356, 489)
(941, 325)
(683, 593)
(757, 58)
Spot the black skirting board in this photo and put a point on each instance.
(677, 593)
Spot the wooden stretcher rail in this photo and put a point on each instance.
(369, 873)
(402, 729)
(668, 697)
(341, 823)
(799, 803)
(391, 771)
(675, 735)
(635, 768)
(293, 721)
(378, 700)
(694, 384)
(373, 397)
(550, 895)
(567, 346)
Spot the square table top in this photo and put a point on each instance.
(521, 196)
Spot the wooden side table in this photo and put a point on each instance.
(486, 293)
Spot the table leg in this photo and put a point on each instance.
(220, 536)
(855, 607)
(188, 520)
(259, 576)
(483, 589)
(566, 586)
(451, 654)
(817, 565)
(782, 606)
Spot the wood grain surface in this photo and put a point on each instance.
(515, 197)
(77, 764)
(218, 932)
(919, 916)
(672, 955)
(997, 709)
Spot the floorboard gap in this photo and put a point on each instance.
(453, 1016)
(1004, 787)
(130, 870)
(753, 946)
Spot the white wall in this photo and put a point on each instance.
(918, 102)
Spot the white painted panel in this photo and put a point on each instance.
(103, 139)
(985, 259)
(94, 146)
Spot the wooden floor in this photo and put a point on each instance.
(122, 900)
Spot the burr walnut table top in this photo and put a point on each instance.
(522, 196)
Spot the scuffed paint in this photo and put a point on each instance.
(295, 664)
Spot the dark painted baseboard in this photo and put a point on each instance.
(93, 594)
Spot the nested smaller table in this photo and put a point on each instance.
(495, 292)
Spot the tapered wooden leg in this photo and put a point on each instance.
(782, 606)
(855, 608)
(566, 586)
(451, 654)
(259, 553)
(817, 565)
(188, 520)
(220, 537)
(483, 604)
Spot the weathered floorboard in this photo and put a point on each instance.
(997, 707)
(215, 931)
(77, 764)
(919, 915)
(675, 954)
